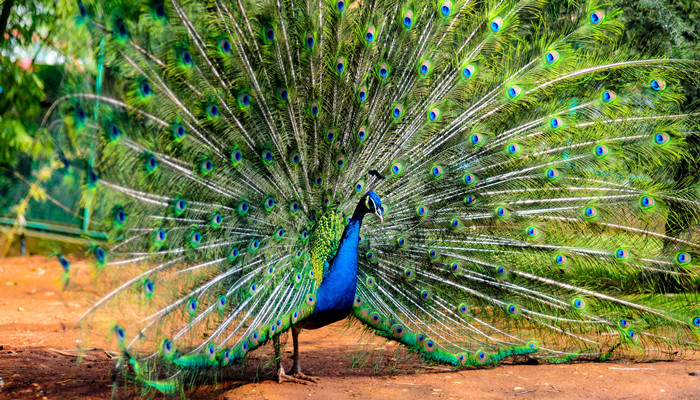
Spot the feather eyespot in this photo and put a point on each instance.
(696, 322)
(578, 304)
(552, 174)
(167, 346)
(222, 302)
(119, 333)
(595, 17)
(590, 212)
(192, 306)
(269, 203)
(424, 67)
(476, 140)
(295, 158)
(145, 88)
(269, 33)
(370, 256)
(362, 93)
(397, 168)
(119, 215)
(179, 132)
(561, 259)
(236, 157)
(436, 171)
(456, 224)
(294, 207)
(469, 179)
(496, 24)
(121, 28)
(310, 40)
(340, 5)
(370, 34)
(362, 133)
(358, 301)
(311, 300)
(446, 8)
(501, 271)
(266, 156)
(225, 46)
(242, 208)
(683, 258)
(254, 245)
(408, 19)
(315, 109)
(647, 202)
(434, 114)
(462, 308)
(233, 254)
(502, 212)
(425, 294)
(621, 254)
(397, 112)
(206, 166)
(514, 149)
(657, 85)
(462, 359)
(195, 238)
(551, 57)
(455, 267)
(422, 210)
(340, 65)
(433, 254)
(662, 139)
(608, 96)
(512, 309)
(555, 122)
(513, 92)
(186, 58)
(148, 287)
(213, 110)
(383, 70)
(468, 71)
(601, 151)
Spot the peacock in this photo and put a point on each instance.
(476, 180)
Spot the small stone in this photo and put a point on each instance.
(518, 388)
(20, 309)
(694, 374)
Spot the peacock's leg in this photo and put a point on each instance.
(281, 375)
(296, 367)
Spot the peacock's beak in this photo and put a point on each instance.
(379, 215)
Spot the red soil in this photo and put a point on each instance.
(38, 360)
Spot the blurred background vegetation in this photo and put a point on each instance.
(44, 49)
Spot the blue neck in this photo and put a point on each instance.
(335, 296)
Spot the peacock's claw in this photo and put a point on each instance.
(283, 377)
(301, 375)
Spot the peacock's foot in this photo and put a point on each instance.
(296, 372)
(283, 377)
(301, 375)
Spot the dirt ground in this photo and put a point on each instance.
(38, 360)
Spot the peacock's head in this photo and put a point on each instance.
(371, 203)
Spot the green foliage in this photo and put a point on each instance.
(40, 36)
